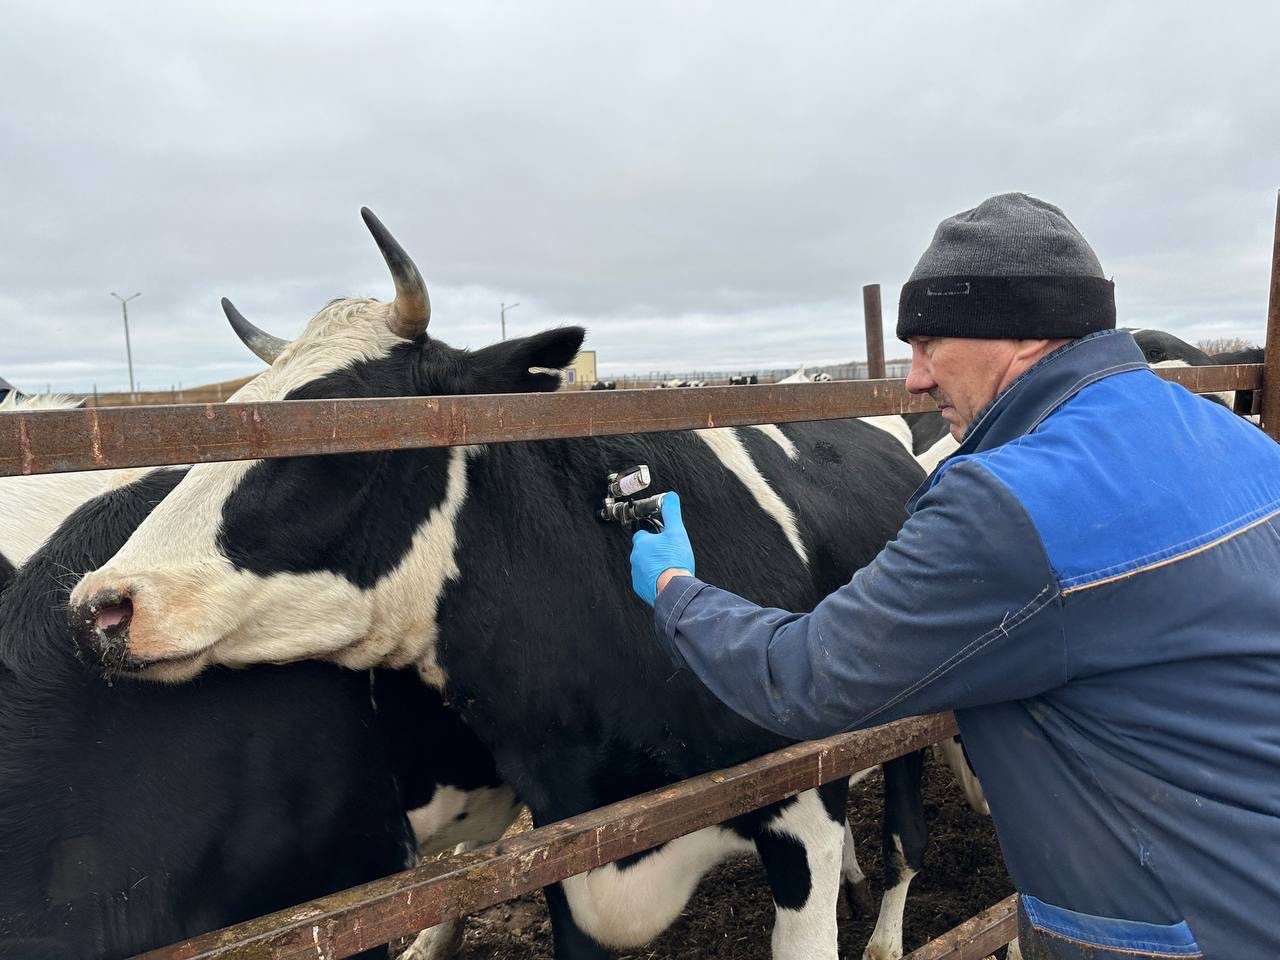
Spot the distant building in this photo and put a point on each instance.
(581, 374)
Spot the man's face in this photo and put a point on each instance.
(963, 375)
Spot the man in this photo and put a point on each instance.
(1090, 582)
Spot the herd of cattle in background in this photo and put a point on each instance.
(135, 814)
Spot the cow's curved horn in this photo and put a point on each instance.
(412, 308)
(264, 345)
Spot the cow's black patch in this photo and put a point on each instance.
(787, 868)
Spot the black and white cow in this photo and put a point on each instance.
(486, 568)
(133, 815)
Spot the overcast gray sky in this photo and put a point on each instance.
(701, 184)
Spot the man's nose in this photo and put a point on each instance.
(919, 380)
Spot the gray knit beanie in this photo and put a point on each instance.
(1014, 267)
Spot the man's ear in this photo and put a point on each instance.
(525, 365)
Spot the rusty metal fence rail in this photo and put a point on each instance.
(52, 441)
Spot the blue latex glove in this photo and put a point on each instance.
(652, 553)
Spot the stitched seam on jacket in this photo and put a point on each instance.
(1004, 628)
(1085, 381)
(1175, 552)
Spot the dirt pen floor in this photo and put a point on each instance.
(731, 915)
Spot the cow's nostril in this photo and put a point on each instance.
(114, 616)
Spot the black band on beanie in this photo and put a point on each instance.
(996, 308)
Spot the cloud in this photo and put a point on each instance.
(703, 186)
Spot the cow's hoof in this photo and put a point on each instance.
(440, 942)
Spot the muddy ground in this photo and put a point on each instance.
(731, 914)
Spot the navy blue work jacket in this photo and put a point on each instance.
(1092, 583)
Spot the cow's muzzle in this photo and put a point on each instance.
(101, 628)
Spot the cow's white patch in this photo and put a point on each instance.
(729, 448)
(886, 938)
(33, 507)
(850, 869)
(624, 908)
(457, 816)
(945, 447)
(775, 434)
(896, 426)
(37, 401)
(952, 753)
(810, 931)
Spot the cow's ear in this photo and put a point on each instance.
(527, 365)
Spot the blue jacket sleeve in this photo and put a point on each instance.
(962, 609)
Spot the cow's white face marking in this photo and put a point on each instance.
(193, 607)
(730, 450)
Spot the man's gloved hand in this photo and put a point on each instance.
(652, 553)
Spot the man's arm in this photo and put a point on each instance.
(961, 609)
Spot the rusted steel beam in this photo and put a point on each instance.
(384, 910)
(53, 441)
(976, 937)
(875, 331)
(144, 436)
(1271, 357)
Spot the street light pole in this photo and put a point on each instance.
(503, 309)
(128, 349)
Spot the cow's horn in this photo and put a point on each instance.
(264, 345)
(412, 308)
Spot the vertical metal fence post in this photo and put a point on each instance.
(875, 331)
(1271, 368)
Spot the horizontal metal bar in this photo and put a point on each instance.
(384, 910)
(54, 441)
(976, 937)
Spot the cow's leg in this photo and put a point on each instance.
(444, 940)
(801, 849)
(628, 903)
(905, 836)
(857, 891)
(951, 750)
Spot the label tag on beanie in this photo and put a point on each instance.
(957, 289)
